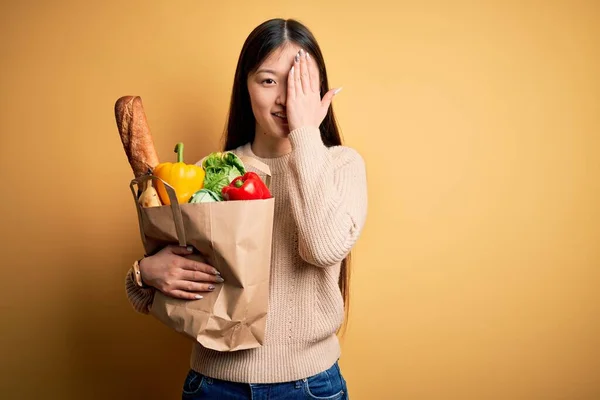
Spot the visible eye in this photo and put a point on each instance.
(268, 81)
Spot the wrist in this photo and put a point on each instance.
(294, 127)
(305, 136)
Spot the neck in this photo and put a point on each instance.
(270, 147)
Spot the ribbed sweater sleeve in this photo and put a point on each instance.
(140, 298)
(330, 185)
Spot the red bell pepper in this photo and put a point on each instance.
(246, 187)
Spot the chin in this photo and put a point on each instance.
(275, 131)
(284, 134)
(279, 132)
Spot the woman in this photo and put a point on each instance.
(278, 116)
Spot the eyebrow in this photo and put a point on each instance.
(268, 71)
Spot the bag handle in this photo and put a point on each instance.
(175, 208)
(259, 165)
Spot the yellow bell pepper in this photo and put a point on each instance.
(186, 179)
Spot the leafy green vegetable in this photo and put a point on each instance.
(221, 169)
(205, 196)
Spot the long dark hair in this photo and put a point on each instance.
(261, 42)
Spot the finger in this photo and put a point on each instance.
(313, 71)
(304, 73)
(197, 276)
(291, 91)
(326, 100)
(297, 79)
(192, 265)
(181, 250)
(190, 286)
(180, 294)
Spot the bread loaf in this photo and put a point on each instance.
(135, 135)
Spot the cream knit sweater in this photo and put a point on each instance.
(320, 208)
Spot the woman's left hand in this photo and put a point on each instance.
(304, 105)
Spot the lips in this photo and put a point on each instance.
(280, 116)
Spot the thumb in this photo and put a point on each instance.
(326, 101)
(181, 250)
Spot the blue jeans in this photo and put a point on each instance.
(327, 385)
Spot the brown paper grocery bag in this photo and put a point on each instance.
(233, 236)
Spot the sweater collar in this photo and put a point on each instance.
(278, 165)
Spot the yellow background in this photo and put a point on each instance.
(477, 276)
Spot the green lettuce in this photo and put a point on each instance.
(221, 169)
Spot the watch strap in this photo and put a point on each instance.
(137, 275)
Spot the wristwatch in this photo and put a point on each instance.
(137, 276)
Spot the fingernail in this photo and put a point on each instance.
(220, 279)
(189, 248)
(337, 91)
(198, 297)
(215, 272)
(301, 52)
(297, 58)
(307, 56)
(211, 287)
(292, 70)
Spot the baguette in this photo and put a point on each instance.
(135, 135)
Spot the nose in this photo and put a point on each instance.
(282, 95)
